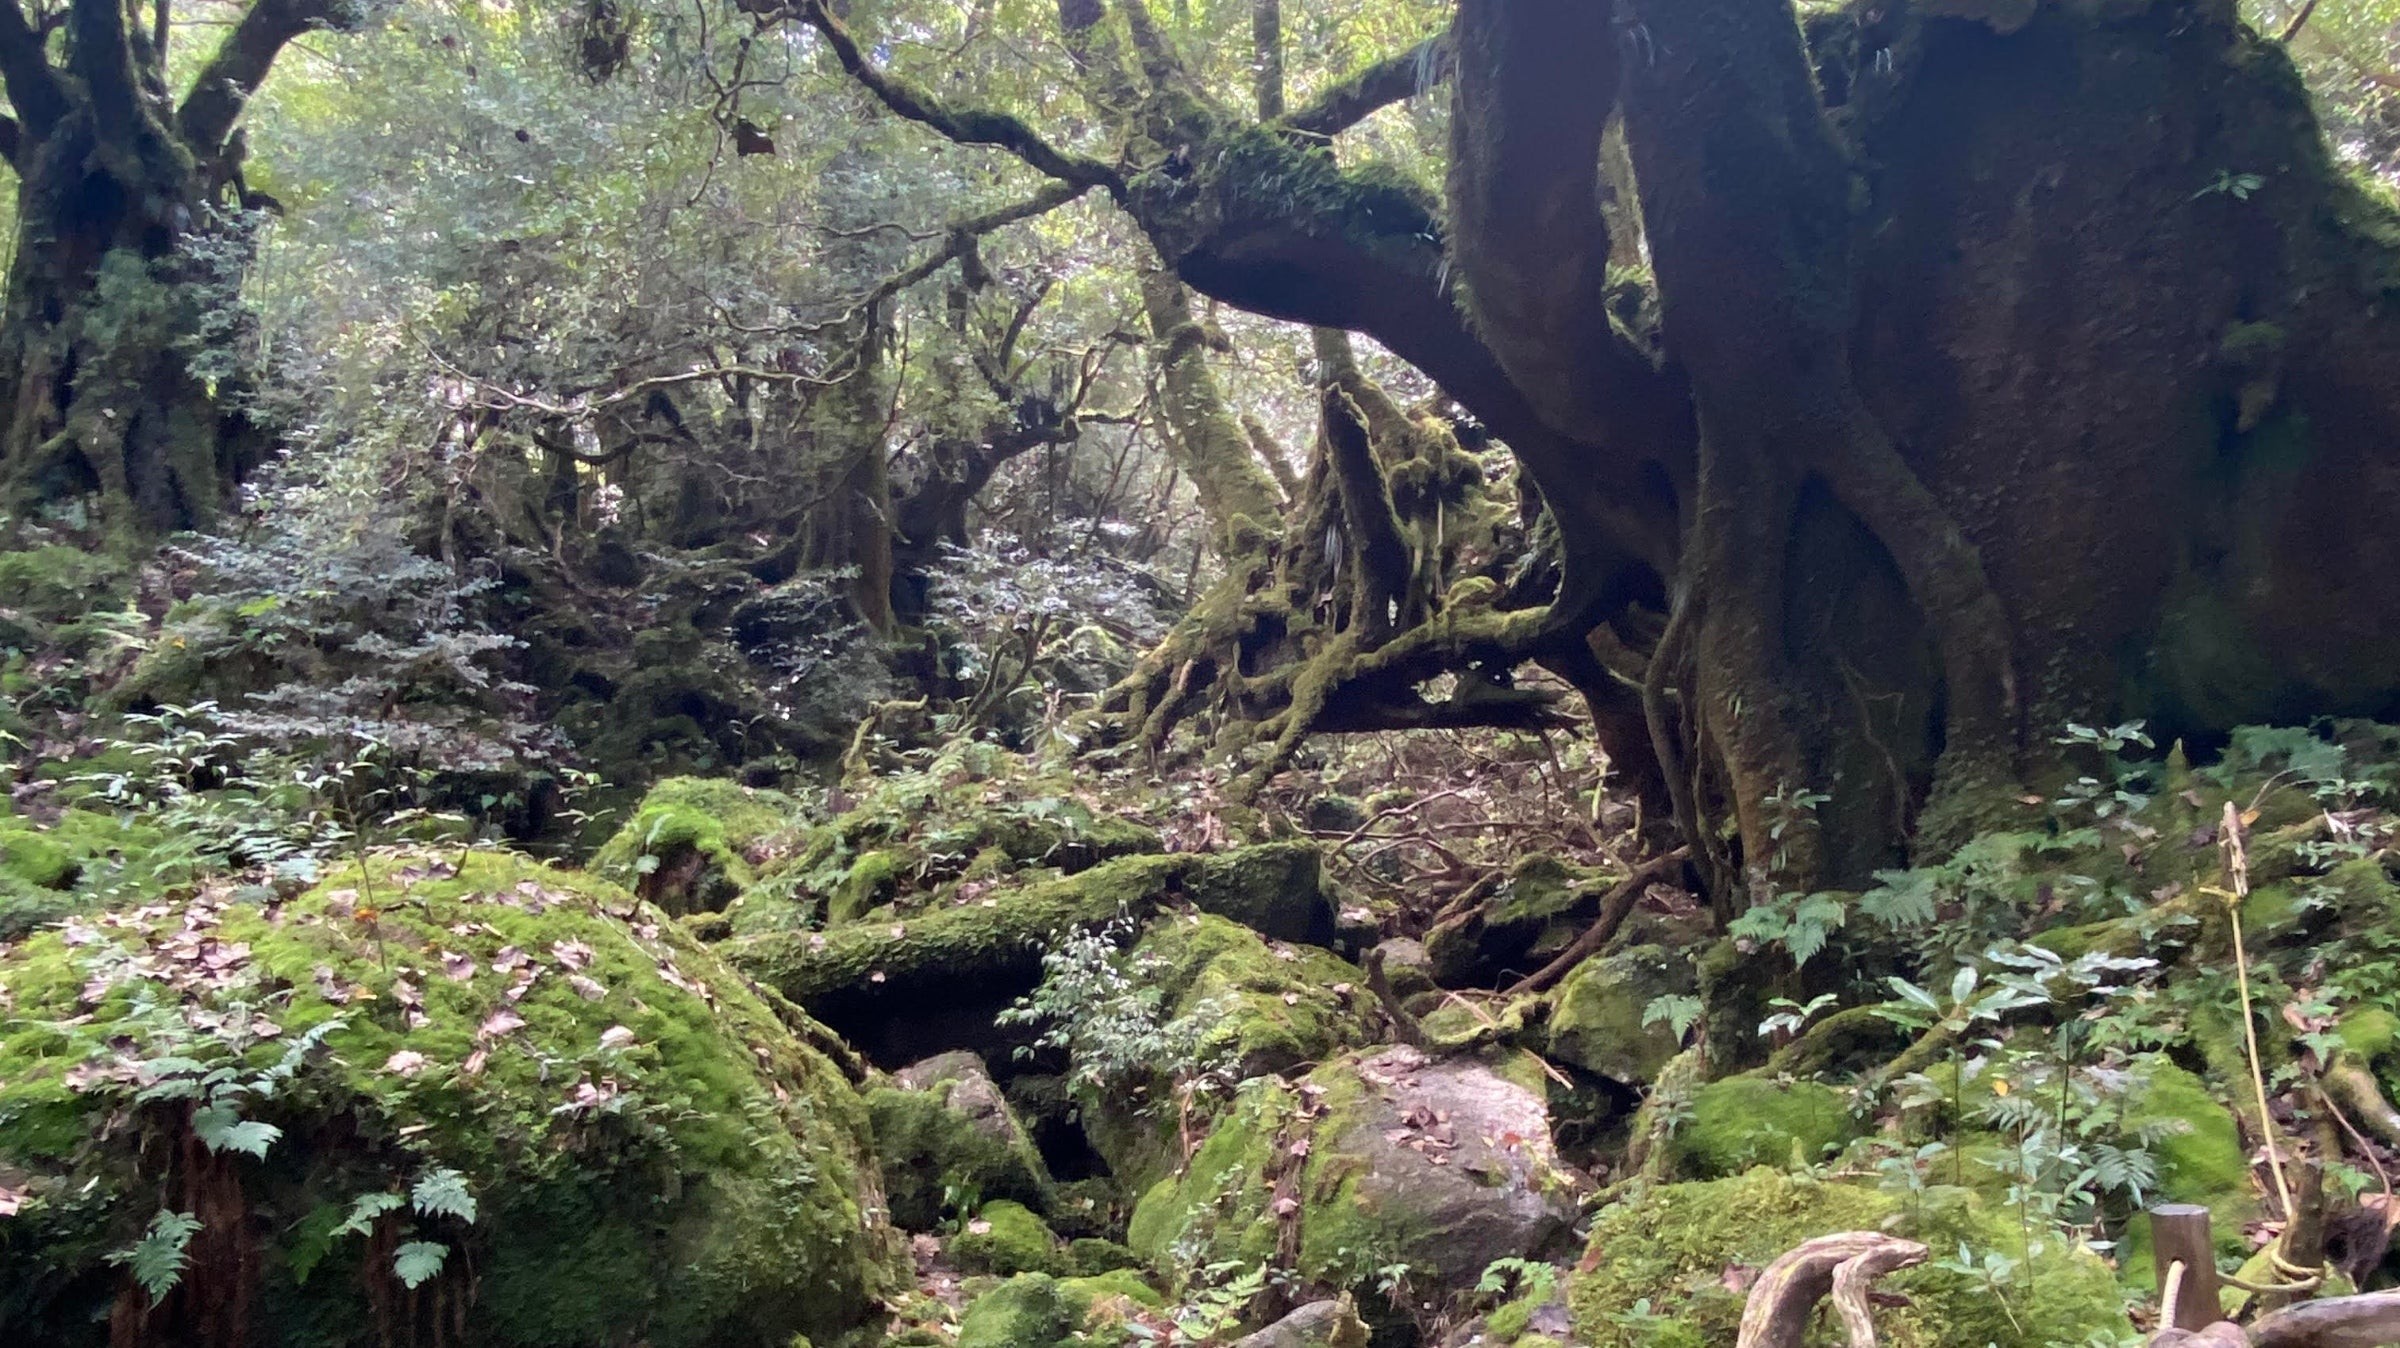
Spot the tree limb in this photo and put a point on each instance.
(33, 87)
(1394, 79)
(240, 66)
(970, 126)
(1777, 1313)
(1615, 906)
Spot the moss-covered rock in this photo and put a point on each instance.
(1659, 1267)
(1319, 1324)
(1036, 1310)
(1742, 1122)
(80, 861)
(1393, 1158)
(1596, 1015)
(1264, 1006)
(1541, 906)
(651, 1148)
(861, 975)
(2198, 1148)
(1004, 1237)
(695, 843)
(947, 1138)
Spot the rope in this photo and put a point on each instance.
(2169, 1292)
(2302, 1278)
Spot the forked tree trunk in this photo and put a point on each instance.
(117, 367)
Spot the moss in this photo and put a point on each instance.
(871, 882)
(81, 861)
(691, 844)
(2198, 1147)
(1271, 1005)
(1090, 1257)
(655, 1149)
(1672, 1247)
(1036, 1310)
(56, 585)
(1742, 1122)
(1006, 1237)
(1275, 889)
(1597, 1014)
(935, 1158)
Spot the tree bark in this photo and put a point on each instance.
(114, 364)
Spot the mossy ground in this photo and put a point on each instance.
(651, 1144)
(1658, 1267)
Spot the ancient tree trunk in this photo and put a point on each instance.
(113, 370)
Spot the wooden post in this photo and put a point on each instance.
(2179, 1234)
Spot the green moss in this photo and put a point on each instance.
(81, 861)
(871, 882)
(1271, 1005)
(2200, 1158)
(935, 1158)
(1091, 1257)
(1671, 1246)
(655, 1149)
(1596, 1015)
(691, 844)
(1742, 1122)
(1005, 1238)
(54, 585)
(1036, 1310)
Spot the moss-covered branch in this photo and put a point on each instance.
(1391, 80)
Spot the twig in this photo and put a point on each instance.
(1614, 907)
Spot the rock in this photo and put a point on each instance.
(1596, 1015)
(695, 842)
(1669, 1267)
(1265, 1006)
(1742, 1122)
(947, 1137)
(1442, 1165)
(1542, 906)
(1007, 1238)
(1036, 1310)
(1407, 966)
(863, 978)
(1319, 1324)
(635, 1145)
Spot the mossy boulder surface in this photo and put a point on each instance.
(1659, 1266)
(1271, 1005)
(1443, 1165)
(1037, 1310)
(695, 843)
(2198, 1148)
(1742, 1122)
(1596, 1016)
(79, 861)
(946, 1137)
(1006, 1237)
(651, 1148)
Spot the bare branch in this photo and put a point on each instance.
(962, 237)
(1777, 1313)
(970, 126)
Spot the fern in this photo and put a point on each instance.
(220, 1128)
(364, 1212)
(158, 1259)
(443, 1193)
(418, 1261)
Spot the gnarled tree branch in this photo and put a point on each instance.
(240, 66)
(1394, 79)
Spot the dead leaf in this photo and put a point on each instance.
(586, 988)
(616, 1037)
(405, 1062)
(498, 1023)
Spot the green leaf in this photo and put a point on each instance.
(158, 1258)
(364, 1212)
(220, 1129)
(1678, 1010)
(443, 1193)
(417, 1261)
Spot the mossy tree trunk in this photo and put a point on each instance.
(2019, 365)
(114, 365)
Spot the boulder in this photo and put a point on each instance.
(1742, 1122)
(1596, 1014)
(1386, 1157)
(514, 1087)
(695, 843)
(948, 1140)
(1669, 1267)
(1331, 1323)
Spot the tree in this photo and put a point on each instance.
(2014, 365)
(125, 264)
